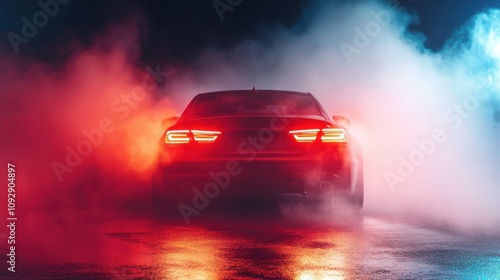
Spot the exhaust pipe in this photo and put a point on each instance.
(326, 187)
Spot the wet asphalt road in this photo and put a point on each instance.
(346, 246)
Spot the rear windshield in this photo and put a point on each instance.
(253, 104)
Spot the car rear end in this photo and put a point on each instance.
(247, 143)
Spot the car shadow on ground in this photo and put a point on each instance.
(283, 210)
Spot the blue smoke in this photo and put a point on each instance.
(478, 43)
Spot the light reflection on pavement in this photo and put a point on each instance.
(358, 247)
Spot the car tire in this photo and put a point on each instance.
(164, 205)
(357, 198)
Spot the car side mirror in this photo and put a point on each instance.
(168, 122)
(341, 120)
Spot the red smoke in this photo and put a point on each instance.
(83, 134)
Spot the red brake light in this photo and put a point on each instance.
(205, 136)
(305, 135)
(327, 135)
(177, 137)
(334, 135)
(186, 136)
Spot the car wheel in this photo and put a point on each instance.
(164, 205)
(357, 198)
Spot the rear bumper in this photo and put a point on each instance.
(230, 177)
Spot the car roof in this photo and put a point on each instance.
(253, 91)
(260, 92)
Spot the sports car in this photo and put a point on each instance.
(255, 143)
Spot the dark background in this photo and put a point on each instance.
(178, 30)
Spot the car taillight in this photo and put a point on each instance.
(177, 137)
(186, 136)
(305, 135)
(334, 135)
(205, 136)
(326, 135)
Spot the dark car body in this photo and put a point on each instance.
(252, 143)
